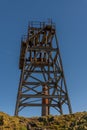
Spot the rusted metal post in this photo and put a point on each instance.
(45, 102)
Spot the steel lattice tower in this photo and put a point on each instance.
(42, 81)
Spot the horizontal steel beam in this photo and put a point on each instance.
(38, 96)
(38, 105)
(47, 49)
(38, 83)
(41, 63)
(37, 71)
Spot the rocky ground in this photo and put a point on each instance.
(77, 121)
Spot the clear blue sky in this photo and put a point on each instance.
(70, 17)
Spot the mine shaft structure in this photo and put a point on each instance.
(42, 82)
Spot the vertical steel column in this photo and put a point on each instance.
(45, 101)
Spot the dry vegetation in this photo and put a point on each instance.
(77, 121)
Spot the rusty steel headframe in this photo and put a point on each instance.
(42, 82)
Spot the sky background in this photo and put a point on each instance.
(70, 17)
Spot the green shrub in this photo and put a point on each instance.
(43, 119)
(1, 120)
(23, 128)
(50, 118)
(56, 127)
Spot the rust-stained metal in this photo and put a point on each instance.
(42, 75)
